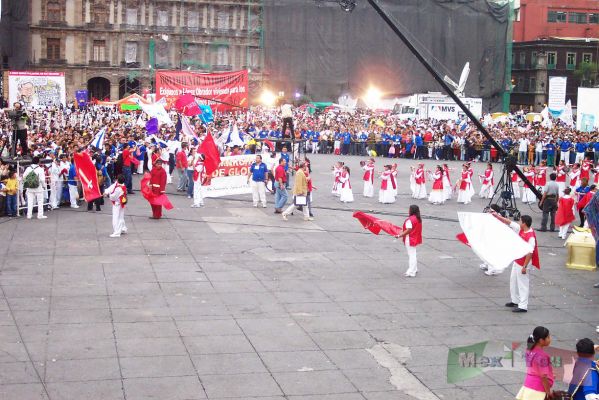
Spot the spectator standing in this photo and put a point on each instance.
(257, 180)
(35, 194)
(280, 186)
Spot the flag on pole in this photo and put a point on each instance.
(211, 154)
(86, 171)
(187, 105)
(98, 141)
(566, 115)
(187, 129)
(206, 115)
(376, 225)
(152, 126)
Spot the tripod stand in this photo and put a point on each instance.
(503, 196)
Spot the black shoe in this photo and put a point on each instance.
(519, 310)
(596, 285)
(542, 230)
(510, 304)
(131, 193)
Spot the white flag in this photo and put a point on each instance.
(566, 115)
(546, 120)
(187, 129)
(235, 138)
(492, 240)
(98, 141)
(155, 110)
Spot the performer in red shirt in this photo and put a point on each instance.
(158, 186)
(565, 213)
(412, 237)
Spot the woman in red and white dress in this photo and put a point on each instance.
(419, 189)
(412, 237)
(528, 197)
(487, 180)
(560, 170)
(465, 191)
(388, 185)
(447, 188)
(515, 184)
(368, 178)
(565, 213)
(394, 172)
(337, 170)
(541, 176)
(437, 196)
(345, 193)
(574, 176)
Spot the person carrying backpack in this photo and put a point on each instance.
(34, 182)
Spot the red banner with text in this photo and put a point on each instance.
(223, 91)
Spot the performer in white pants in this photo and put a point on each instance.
(117, 193)
(35, 195)
(55, 184)
(486, 190)
(198, 178)
(412, 237)
(257, 180)
(520, 277)
(368, 178)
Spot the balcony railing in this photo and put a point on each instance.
(222, 67)
(58, 24)
(570, 67)
(130, 65)
(46, 61)
(93, 63)
(551, 66)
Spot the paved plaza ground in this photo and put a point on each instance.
(230, 301)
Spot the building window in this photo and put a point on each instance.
(53, 49)
(556, 16)
(593, 18)
(193, 19)
(100, 15)
(222, 55)
(53, 11)
(551, 60)
(587, 58)
(522, 60)
(533, 59)
(533, 85)
(130, 52)
(131, 16)
(222, 20)
(571, 60)
(162, 19)
(99, 50)
(577, 18)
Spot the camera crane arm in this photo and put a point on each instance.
(501, 151)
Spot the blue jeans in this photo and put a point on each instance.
(11, 205)
(128, 181)
(189, 173)
(523, 157)
(280, 198)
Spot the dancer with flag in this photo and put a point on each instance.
(153, 187)
(411, 235)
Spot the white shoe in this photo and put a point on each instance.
(284, 217)
(115, 235)
(124, 232)
(28, 217)
(309, 219)
(256, 205)
(484, 267)
(193, 206)
(42, 217)
(74, 206)
(263, 205)
(492, 272)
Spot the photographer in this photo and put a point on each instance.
(19, 119)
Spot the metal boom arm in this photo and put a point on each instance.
(388, 19)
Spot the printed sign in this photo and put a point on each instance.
(557, 93)
(231, 177)
(36, 89)
(224, 91)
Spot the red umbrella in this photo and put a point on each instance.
(376, 225)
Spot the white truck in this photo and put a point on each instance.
(435, 105)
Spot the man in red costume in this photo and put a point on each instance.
(158, 186)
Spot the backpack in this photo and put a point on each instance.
(31, 181)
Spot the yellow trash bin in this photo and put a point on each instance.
(581, 251)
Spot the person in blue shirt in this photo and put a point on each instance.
(585, 375)
(420, 149)
(565, 151)
(72, 182)
(363, 138)
(315, 140)
(263, 134)
(550, 153)
(580, 147)
(257, 181)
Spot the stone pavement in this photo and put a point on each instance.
(229, 301)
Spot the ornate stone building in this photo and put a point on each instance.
(112, 47)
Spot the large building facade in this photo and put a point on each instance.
(113, 47)
(536, 19)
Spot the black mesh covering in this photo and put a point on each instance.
(14, 33)
(315, 47)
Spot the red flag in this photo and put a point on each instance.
(462, 238)
(270, 144)
(153, 198)
(376, 225)
(186, 104)
(211, 154)
(86, 171)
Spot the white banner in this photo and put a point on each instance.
(557, 93)
(231, 177)
(36, 89)
(587, 112)
(443, 111)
